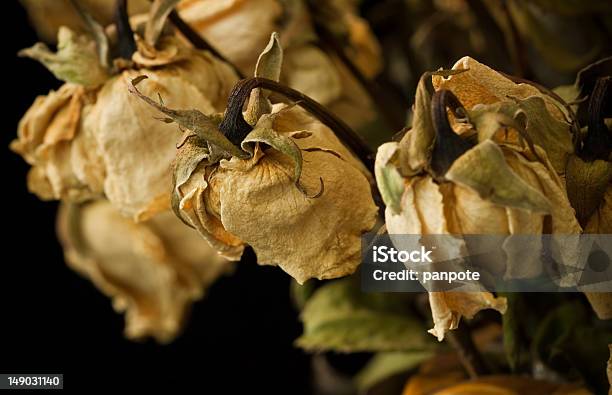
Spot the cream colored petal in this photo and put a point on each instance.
(152, 271)
(47, 16)
(238, 29)
(46, 137)
(198, 206)
(312, 72)
(447, 308)
(136, 147)
(306, 237)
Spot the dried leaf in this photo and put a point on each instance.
(587, 182)
(339, 317)
(268, 66)
(76, 59)
(204, 126)
(484, 169)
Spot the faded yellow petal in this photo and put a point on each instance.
(46, 16)
(447, 308)
(259, 203)
(198, 204)
(50, 137)
(238, 29)
(137, 148)
(153, 271)
(482, 85)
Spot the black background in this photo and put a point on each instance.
(239, 337)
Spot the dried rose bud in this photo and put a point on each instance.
(492, 169)
(289, 189)
(238, 29)
(153, 271)
(93, 138)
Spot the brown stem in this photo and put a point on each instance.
(598, 142)
(448, 146)
(235, 128)
(126, 44)
(516, 46)
(392, 113)
(471, 359)
(197, 40)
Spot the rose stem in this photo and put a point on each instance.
(236, 128)
(392, 113)
(448, 146)
(197, 40)
(471, 359)
(126, 46)
(598, 142)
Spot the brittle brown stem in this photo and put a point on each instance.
(197, 40)
(448, 145)
(235, 128)
(126, 43)
(598, 142)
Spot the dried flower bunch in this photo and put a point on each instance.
(168, 165)
(91, 140)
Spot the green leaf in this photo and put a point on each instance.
(76, 59)
(339, 317)
(386, 364)
(484, 169)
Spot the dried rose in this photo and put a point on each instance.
(486, 172)
(152, 270)
(257, 193)
(95, 138)
(238, 29)
(47, 16)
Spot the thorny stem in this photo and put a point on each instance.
(235, 128)
(471, 359)
(197, 40)
(598, 142)
(126, 44)
(448, 145)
